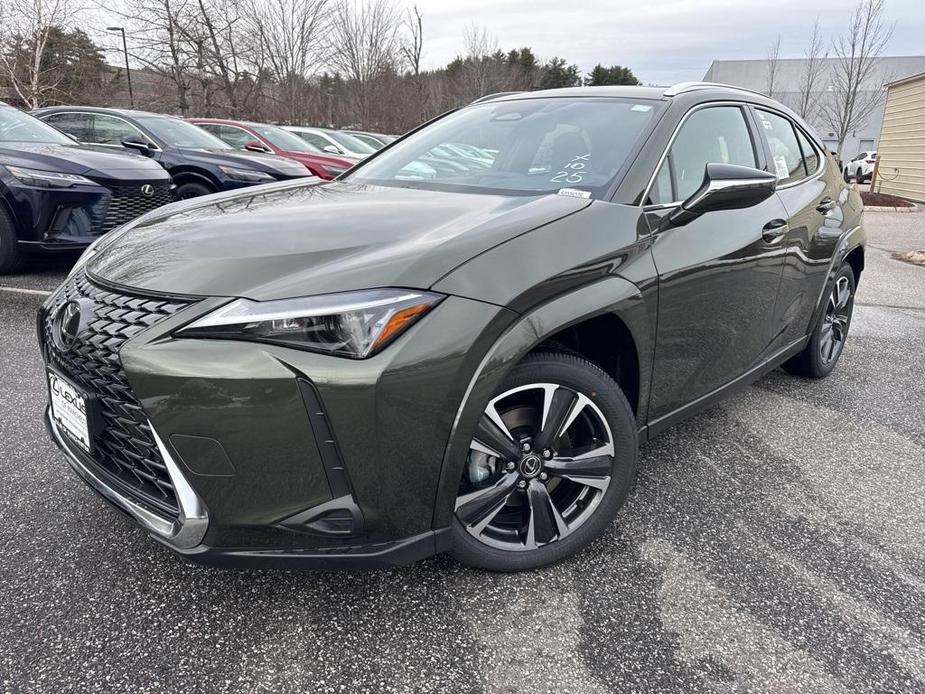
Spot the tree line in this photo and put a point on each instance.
(348, 63)
(342, 63)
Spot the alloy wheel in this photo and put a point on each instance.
(835, 323)
(538, 467)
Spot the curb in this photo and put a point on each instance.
(877, 208)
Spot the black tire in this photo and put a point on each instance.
(192, 189)
(11, 257)
(581, 377)
(846, 176)
(812, 361)
(859, 176)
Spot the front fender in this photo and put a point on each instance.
(612, 294)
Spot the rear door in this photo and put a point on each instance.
(235, 136)
(812, 192)
(718, 275)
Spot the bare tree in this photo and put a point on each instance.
(159, 32)
(773, 65)
(478, 68)
(218, 23)
(813, 72)
(25, 27)
(854, 95)
(364, 47)
(413, 44)
(289, 34)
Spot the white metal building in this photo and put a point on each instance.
(753, 74)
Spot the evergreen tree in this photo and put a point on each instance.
(558, 73)
(615, 74)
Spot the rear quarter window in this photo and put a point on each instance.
(786, 156)
(810, 153)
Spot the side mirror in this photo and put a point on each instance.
(256, 146)
(138, 143)
(331, 149)
(725, 187)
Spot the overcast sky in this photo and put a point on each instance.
(662, 41)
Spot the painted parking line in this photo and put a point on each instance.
(23, 290)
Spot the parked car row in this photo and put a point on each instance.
(65, 178)
(57, 195)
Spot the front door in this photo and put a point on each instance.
(719, 274)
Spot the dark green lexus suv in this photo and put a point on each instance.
(458, 345)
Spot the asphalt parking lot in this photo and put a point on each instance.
(773, 543)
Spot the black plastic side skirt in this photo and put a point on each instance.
(384, 555)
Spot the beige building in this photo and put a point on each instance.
(901, 152)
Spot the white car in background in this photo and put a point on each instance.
(861, 168)
(332, 141)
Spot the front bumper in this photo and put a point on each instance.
(287, 458)
(184, 532)
(69, 219)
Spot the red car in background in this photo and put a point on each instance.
(260, 137)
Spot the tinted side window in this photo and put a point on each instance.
(714, 135)
(75, 124)
(111, 131)
(235, 136)
(810, 154)
(316, 140)
(786, 157)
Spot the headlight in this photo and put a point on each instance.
(352, 324)
(245, 175)
(47, 179)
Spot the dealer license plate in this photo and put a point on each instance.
(69, 407)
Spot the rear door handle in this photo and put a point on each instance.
(774, 230)
(826, 206)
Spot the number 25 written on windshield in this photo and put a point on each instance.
(572, 172)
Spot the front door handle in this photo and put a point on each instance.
(825, 206)
(775, 230)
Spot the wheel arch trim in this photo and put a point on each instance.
(182, 174)
(849, 243)
(613, 295)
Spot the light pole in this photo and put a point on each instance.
(128, 72)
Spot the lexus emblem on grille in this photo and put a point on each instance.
(147, 190)
(68, 322)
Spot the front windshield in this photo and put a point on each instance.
(179, 133)
(350, 143)
(283, 139)
(520, 147)
(16, 126)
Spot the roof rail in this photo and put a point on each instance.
(492, 97)
(682, 87)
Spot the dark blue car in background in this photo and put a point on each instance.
(56, 195)
(198, 162)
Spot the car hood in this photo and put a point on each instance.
(75, 159)
(285, 240)
(269, 163)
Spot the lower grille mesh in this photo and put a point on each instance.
(124, 447)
